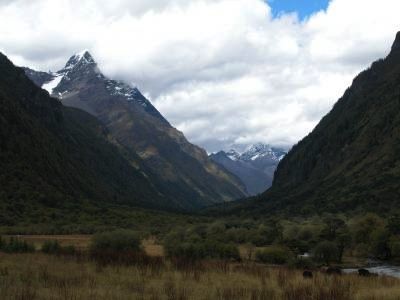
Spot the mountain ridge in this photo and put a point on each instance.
(350, 161)
(255, 166)
(58, 159)
(183, 170)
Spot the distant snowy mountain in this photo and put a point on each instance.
(262, 151)
(255, 166)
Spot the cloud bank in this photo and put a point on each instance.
(222, 71)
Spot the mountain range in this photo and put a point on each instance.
(95, 142)
(178, 170)
(350, 162)
(255, 166)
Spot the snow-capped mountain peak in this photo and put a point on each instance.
(77, 61)
(257, 151)
(255, 165)
(83, 57)
(233, 154)
(80, 74)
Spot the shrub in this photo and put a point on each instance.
(54, 247)
(273, 255)
(68, 250)
(195, 249)
(51, 247)
(15, 245)
(301, 263)
(119, 240)
(121, 247)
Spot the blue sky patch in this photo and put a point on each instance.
(304, 8)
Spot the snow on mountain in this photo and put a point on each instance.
(257, 151)
(260, 150)
(82, 59)
(233, 154)
(52, 84)
(120, 88)
(255, 166)
(83, 63)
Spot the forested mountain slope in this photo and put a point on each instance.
(52, 156)
(351, 161)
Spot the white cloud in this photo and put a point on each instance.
(222, 71)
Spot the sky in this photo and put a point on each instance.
(225, 72)
(304, 8)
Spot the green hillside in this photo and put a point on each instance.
(57, 157)
(351, 161)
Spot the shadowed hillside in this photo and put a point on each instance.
(57, 157)
(350, 161)
(178, 169)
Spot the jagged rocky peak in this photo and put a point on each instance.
(255, 152)
(233, 154)
(79, 64)
(80, 70)
(260, 150)
(83, 57)
(396, 44)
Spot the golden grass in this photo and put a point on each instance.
(40, 276)
(152, 248)
(82, 242)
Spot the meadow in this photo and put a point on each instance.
(77, 276)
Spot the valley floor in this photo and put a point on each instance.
(41, 276)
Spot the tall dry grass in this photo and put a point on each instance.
(40, 276)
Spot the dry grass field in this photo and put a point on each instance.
(82, 242)
(40, 276)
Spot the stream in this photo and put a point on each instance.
(388, 270)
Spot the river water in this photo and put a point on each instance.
(380, 270)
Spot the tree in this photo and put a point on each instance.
(343, 240)
(380, 243)
(332, 225)
(364, 226)
(394, 245)
(326, 252)
(393, 224)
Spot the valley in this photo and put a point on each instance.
(181, 159)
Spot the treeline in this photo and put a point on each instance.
(300, 242)
(322, 240)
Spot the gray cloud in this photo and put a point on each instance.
(222, 71)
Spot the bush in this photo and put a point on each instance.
(51, 247)
(301, 263)
(119, 240)
(195, 248)
(54, 247)
(121, 247)
(68, 250)
(273, 255)
(15, 245)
